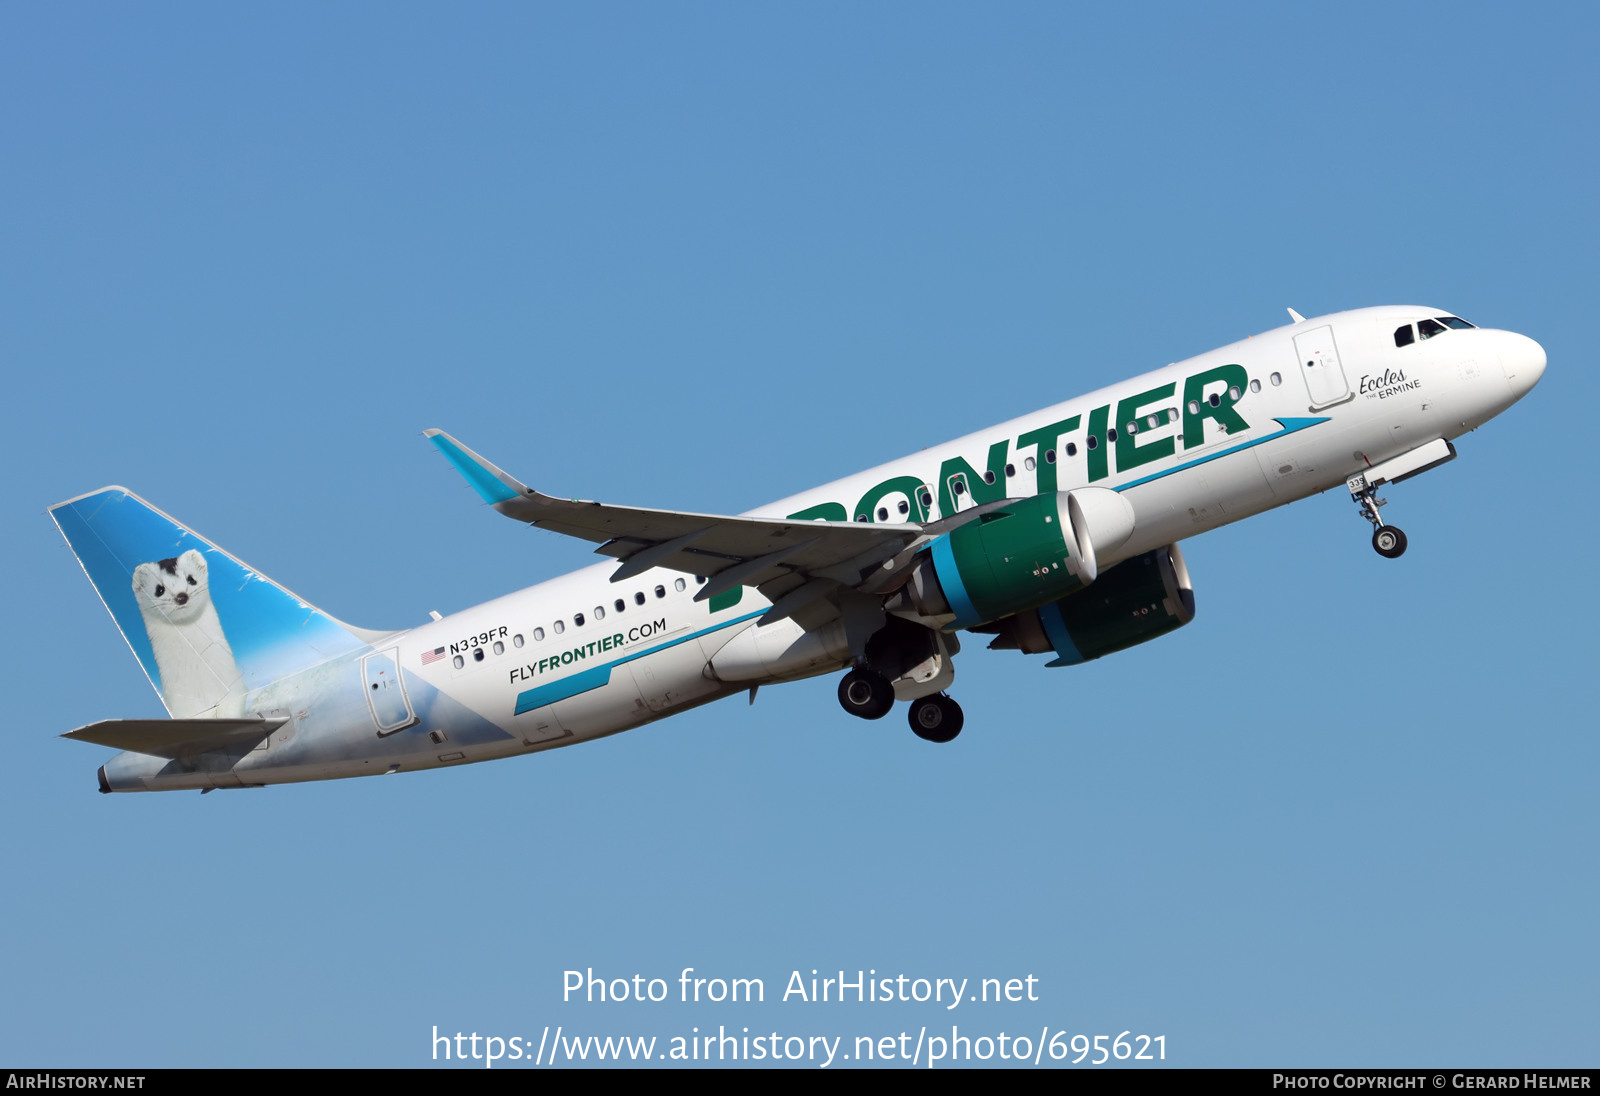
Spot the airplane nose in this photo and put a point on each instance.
(1524, 362)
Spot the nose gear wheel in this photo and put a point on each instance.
(1387, 540)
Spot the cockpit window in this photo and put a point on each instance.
(1427, 329)
(1404, 336)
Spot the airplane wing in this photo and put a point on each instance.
(790, 562)
(177, 738)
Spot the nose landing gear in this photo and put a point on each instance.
(1387, 540)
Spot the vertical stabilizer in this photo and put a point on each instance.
(206, 628)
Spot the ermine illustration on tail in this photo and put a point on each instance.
(199, 676)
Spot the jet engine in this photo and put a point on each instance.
(1020, 556)
(1135, 601)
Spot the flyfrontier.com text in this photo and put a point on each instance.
(852, 987)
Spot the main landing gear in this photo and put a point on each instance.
(1387, 540)
(869, 695)
(936, 718)
(866, 694)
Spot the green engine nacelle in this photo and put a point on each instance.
(1135, 601)
(1025, 554)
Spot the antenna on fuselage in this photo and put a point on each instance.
(1296, 316)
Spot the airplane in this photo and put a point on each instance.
(1055, 533)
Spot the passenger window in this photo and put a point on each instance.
(661, 591)
(577, 620)
(1111, 435)
(638, 597)
(1094, 442)
(516, 640)
(1404, 336)
(1215, 399)
(1072, 448)
(925, 497)
(1276, 379)
(883, 513)
(619, 605)
(1194, 406)
(599, 612)
(1234, 393)
(905, 507)
(458, 662)
(1028, 463)
(477, 654)
(499, 648)
(1172, 414)
(988, 477)
(1049, 456)
(560, 626)
(538, 635)
(1011, 470)
(1132, 427)
(1427, 329)
(1255, 386)
(679, 585)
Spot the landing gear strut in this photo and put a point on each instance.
(936, 718)
(1387, 540)
(866, 694)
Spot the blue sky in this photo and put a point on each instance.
(705, 256)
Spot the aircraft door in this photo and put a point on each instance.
(1320, 365)
(386, 691)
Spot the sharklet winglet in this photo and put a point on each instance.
(492, 484)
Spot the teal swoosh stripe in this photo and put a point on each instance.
(1290, 426)
(955, 591)
(596, 676)
(1055, 629)
(569, 686)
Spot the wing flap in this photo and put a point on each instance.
(177, 738)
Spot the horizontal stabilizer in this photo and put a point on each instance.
(177, 738)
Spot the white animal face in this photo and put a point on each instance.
(175, 588)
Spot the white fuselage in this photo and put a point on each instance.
(1213, 439)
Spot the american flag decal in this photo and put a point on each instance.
(432, 656)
